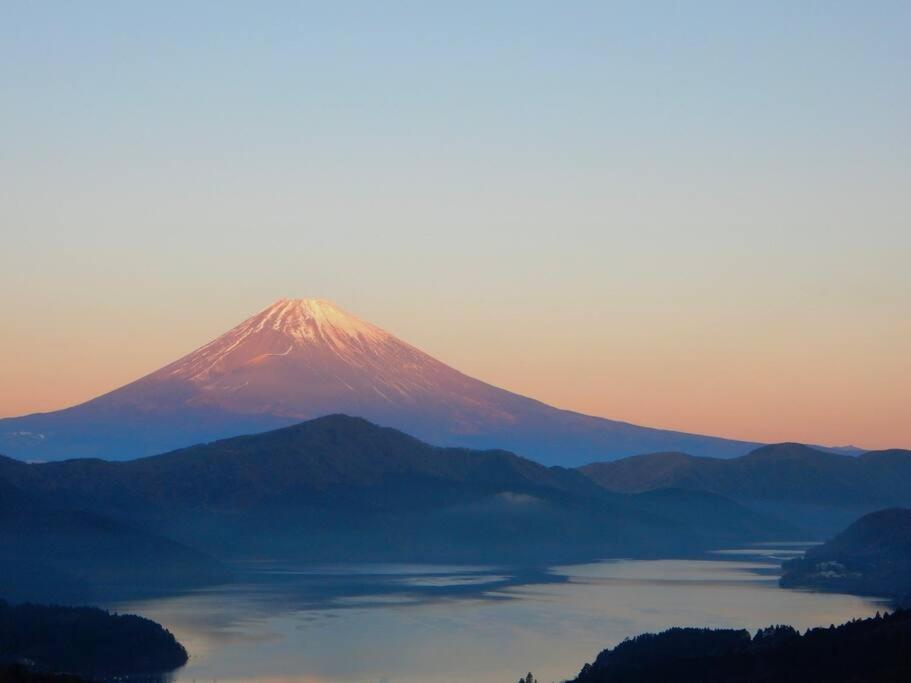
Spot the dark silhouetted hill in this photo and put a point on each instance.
(85, 641)
(16, 673)
(870, 557)
(875, 649)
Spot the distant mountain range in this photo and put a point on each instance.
(820, 491)
(340, 488)
(301, 359)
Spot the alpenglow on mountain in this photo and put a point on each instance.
(302, 358)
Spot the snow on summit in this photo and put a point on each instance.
(278, 330)
(316, 320)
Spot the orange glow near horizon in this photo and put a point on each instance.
(736, 384)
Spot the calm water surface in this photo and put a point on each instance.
(438, 624)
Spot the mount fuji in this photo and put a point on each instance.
(303, 358)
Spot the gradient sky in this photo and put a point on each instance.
(685, 215)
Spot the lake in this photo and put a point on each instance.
(451, 624)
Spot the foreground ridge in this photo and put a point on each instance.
(874, 649)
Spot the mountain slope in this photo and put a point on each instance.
(819, 491)
(870, 557)
(341, 488)
(300, 359)
(777, 472)
(51, 551)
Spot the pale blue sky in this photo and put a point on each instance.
(651, 190)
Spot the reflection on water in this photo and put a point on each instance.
(778, 552)
(437, 624)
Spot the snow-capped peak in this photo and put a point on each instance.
(287, 327)
(307, 320)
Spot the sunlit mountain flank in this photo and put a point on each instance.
(303, 358)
